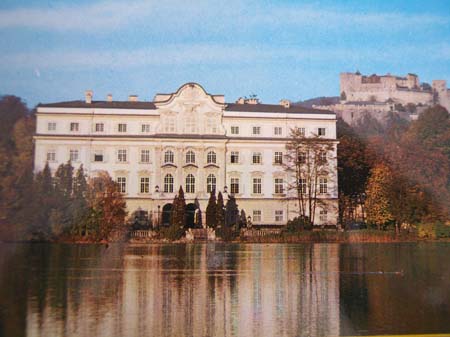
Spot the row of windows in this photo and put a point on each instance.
(211, 181)
(169, 156)
(98, 127)
(277, 131)
(279, 215)
(144, 184)
(190, 127)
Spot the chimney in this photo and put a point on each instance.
(286, 103)
(88, 96)
(240, 101)
(252, 100)
(133, 98)
(109, 98)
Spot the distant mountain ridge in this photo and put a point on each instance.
(323, 100)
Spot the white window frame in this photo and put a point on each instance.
(122, 184)
(51, 126)
(51, 156)
(323, 185)
(144, 187)
(279, 215)
(278, 157)
(257, 185)
(190, 157)
(98, 153)
(145, 128)
(99, 127)
(256, 130)
(122, 156)
(190, 183)
(321, 132)
(169, 157)
(234, 157)
(257, 158)
(211, 157)
(278, 185)
(278, 131)
(145, 156)
(234, 185)
(234, 130)
(168, 183)
(122, 127)
(257, 215)
(74, 127)
(323, 215)
(74, 155)
(211, 183)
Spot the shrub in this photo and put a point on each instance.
(172, 233)
(226, 233)
(426, 231)
(299, 223)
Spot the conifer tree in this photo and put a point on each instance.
(211, 210)
(181, 211)
(220, 212)
(231, 212)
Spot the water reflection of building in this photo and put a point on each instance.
(199, 290)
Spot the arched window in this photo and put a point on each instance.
(210, 183)
(211, 157)
(190, 183)
(168, 183)
(190, 157)
(168, 157)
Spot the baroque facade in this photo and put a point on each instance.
(191, 139)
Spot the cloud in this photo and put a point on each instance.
(182, 16)
(217, 54)
(87, 18)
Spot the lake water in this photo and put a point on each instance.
(224, 289)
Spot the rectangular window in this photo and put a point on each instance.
(323, 185)
(321, 131)
(145, 128)
(256, 130)
(51, 126)
(256, 158)
(235, 130)
(169, 125)
(122, 156)
(122, 127)
(74, 127)
(122, 184)
(302, 185)
(51, 156)
(145, 185)
(145, 156)
(322, 157)
(99, 127)
(234, 185)
(302, 132)
(323, 215)
(279, 188)
(73, 155)
(278, 131)
(301, 157)
(257, 183)
(256, 215)
(279, 215)
(234, 159)
(98, 156)
(278, 157)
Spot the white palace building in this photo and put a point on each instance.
(192, 139)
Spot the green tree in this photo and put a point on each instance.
(231, 212)
(211, 210)
(220, 211)
(198, 214)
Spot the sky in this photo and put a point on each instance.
(53, 51)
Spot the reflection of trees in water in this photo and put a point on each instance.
(166, 290)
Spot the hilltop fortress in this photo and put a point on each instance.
(379, 95)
